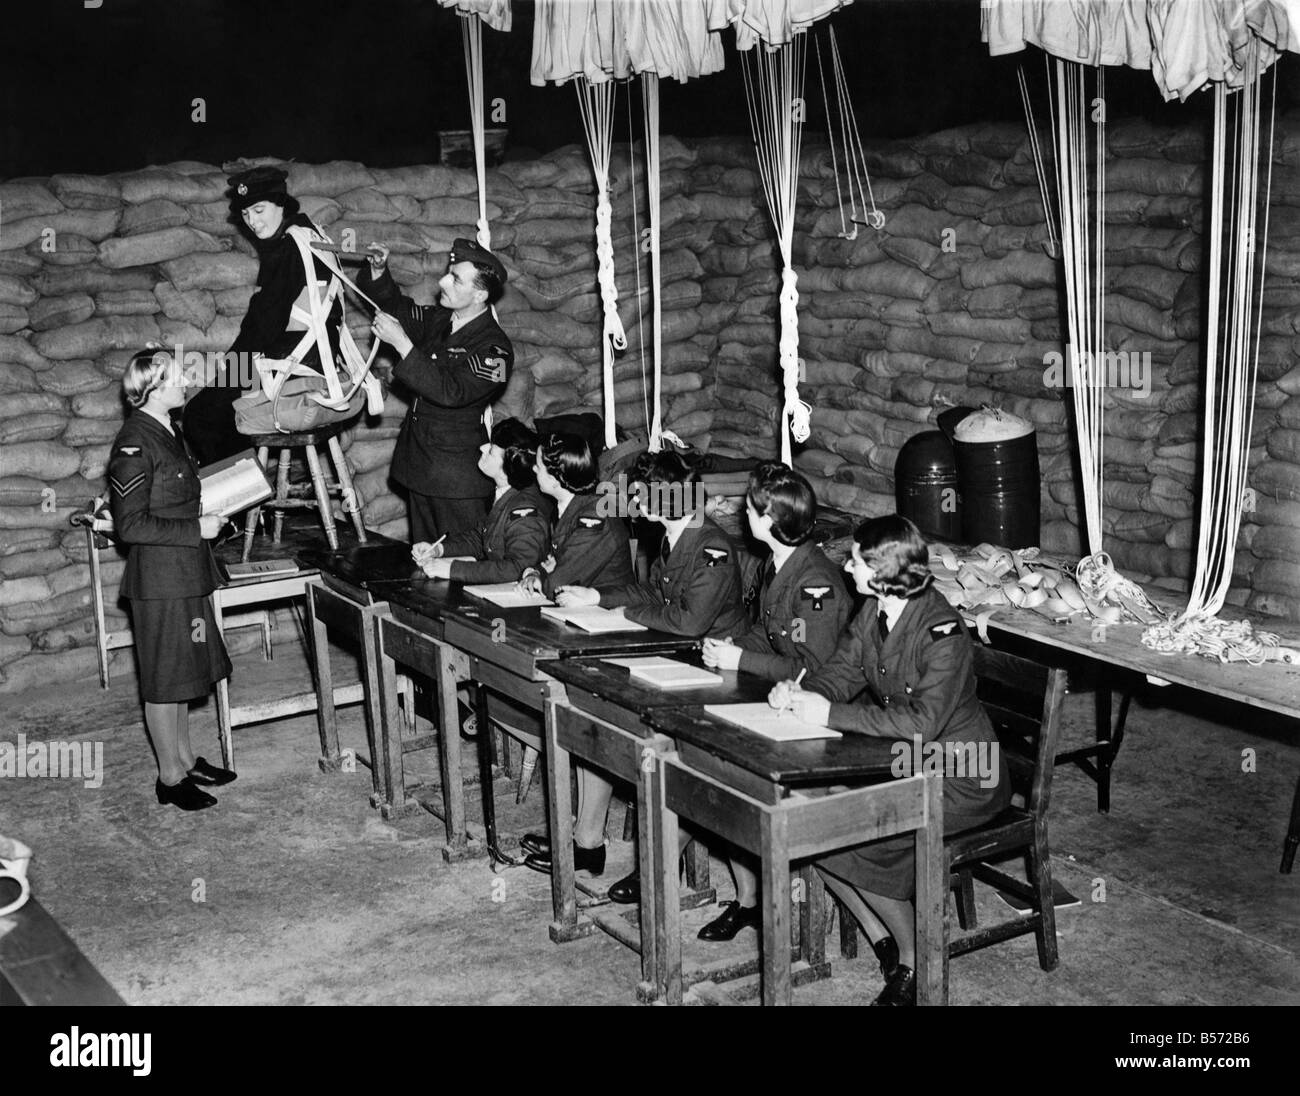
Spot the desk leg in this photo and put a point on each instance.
(453, 785)
(1292, 834)
(487, 786)
(223, 698)
(326, 717)
(649, 805)
(387, 761)
(559, 806)
(775, 855)
(668, 903)
(931, 902)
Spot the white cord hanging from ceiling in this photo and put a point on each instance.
(777, 121)
(1085, 275)
(596, 104)
(650, 106)
(1233, 316)
(842, 127)
(471, 32)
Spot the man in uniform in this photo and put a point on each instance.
(455, 360)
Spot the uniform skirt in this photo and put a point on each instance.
(178, 647)
(888, 866)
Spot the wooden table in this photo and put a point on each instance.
(755, 793)
(436, 628)
(600, 718)
(1274, 686)
(40, 964)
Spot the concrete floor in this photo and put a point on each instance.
(293, 891)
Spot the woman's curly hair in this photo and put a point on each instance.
(895, 550)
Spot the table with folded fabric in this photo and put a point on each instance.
(1118, 649)
(599, 718)
(784, 802)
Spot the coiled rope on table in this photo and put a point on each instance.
(1225, 640)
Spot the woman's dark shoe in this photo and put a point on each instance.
(627, 890)
(203, 773)
(887, 952)
(187, 795)
(733, 918)
(589, 860)
(900, 989)
(535, 842)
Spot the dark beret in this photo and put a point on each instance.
(258, 184)
(467, 251)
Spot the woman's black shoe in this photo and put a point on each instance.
(589, 860)
(203, 773)
(627, 890)
(187, 795)
(535, 842)
(887, 952)
(733, 918)
(900, 989)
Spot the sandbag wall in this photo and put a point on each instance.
(957, 301)
(93, 268)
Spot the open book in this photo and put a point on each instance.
(233, 484)
(667, 673)
(263, 568)
(592, 618)
(780, 726)
(507, 595)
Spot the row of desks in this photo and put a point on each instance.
(782, 802)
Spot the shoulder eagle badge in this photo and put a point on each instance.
(817, 594)
(943, 631)
(523, 511)
(591, 523)
(128, 450)
(716, 556)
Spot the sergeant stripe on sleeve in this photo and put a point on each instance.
(124, 489)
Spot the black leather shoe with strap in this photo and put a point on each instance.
(535, 842)
(588, 860)
(730, 921)
(203, 773)
(186, 795)
(900, 989)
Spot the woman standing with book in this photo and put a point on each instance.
(154, 496)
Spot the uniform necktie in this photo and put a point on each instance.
(882, 626)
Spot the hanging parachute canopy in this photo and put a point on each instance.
(1185, 44)
(1229, 44)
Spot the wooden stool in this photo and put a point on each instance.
(289, 498)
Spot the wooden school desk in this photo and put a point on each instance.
(752, 792)
(343, 602)
(598, 717)
(449, 636)
(1274, 686)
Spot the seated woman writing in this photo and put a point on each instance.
(587, 545)
(515, 535)
(693, 590)
(803, 605)
(903, 668)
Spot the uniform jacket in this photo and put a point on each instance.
(514, 536)
(279, 282)
(154, 497)
(802, 609)
(588, 547)
(451, 377)
(920, 681)
(694, 589)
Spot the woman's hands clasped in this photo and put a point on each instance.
(721, 654)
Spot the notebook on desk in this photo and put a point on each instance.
(780, 726)
(666, 673)
(593, 619)
(507, 595)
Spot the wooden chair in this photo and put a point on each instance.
(317, 494)
(1024, 701)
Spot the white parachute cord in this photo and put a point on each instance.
(830, 136)
(650, 104)
(471, 32)
(596, 104)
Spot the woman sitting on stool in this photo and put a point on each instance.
(903, 669)
(515, 534)
(803, 605)
(170, 573)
